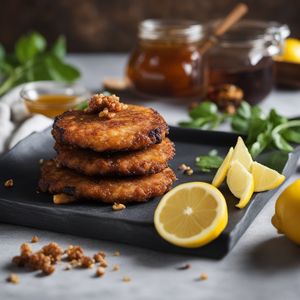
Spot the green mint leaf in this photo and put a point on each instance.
(244, 111)
(29, 46)
(292, 135)
(275, 118)
(59, 48)
(281, 143)
(2, 53)
(239, 124)
(206, 163)
(60, 71)
(204, 110)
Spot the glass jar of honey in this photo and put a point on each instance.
(166, 61)
(243, 57)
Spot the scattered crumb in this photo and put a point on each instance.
(41, 161)
(74, 253)
(68, 267)
(203, 276)
(37, 191)
(116, 268)
(118, 206)
(9, 183)
(126, 279)
(34, 239)
(100, 272)
(13, 278)
(117, 253)
(184, 267)
(87, 262)
(63, 199)
(186, 169)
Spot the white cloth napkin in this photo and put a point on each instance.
(16, 123)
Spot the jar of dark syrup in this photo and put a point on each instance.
(166, 60)
(243, 57)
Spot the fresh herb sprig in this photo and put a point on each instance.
(262, 130)
(33, 61)
(206, 163)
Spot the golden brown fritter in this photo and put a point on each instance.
(140, 162)
(58, 180)
(134, 128)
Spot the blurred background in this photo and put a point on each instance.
(110, 26)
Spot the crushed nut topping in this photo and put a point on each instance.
(99, 256)
(116, 268)
(34, 239)
(203, 276)
(126, 279)
(9, 183)
(54, 251)
(13, 278)
(105, 106)
(118, 206)
(100, 271)
(186, 169)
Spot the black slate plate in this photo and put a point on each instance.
(23, 206)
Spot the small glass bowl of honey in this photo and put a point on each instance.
(51, 98)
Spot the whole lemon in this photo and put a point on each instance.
(287, 212)
(291, 50)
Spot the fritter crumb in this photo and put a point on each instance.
(54, 251)
(126, 279)
(9, 183)
(99, 256)
(116, 268)
(117, 253)
(13, 278)
(118, 206)
(34, 239)
(87, 262)
(100, 272)
(186, 169)
(63, 199)
(74, 253)
(203, 276)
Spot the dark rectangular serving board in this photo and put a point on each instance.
(21, 204)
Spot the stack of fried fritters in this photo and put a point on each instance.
(110, 152)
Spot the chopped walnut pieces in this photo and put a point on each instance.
(116, 268)
(34, 239)
(186, 169)
(13, 278)
(118, 206)
(48, 269)
(117, 253)
(100, 271)
(54, 251)
(227, 97)
(87, 262)
(9, 183)
(203, 276)
(126, 279)
(106, 114)
(74, 253)
(99, 256)
(105, 106)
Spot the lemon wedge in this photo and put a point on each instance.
(242, 154)
(223, 169)
(265, 178)
(240, 182)
(191, 215)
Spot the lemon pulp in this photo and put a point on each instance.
(191, 215)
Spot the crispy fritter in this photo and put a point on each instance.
(57, 180)
(134, 128)
(140, 162)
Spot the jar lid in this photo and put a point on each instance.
(175, 29)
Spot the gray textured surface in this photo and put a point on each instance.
(263, 265)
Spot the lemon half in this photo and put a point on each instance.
(191, 215)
